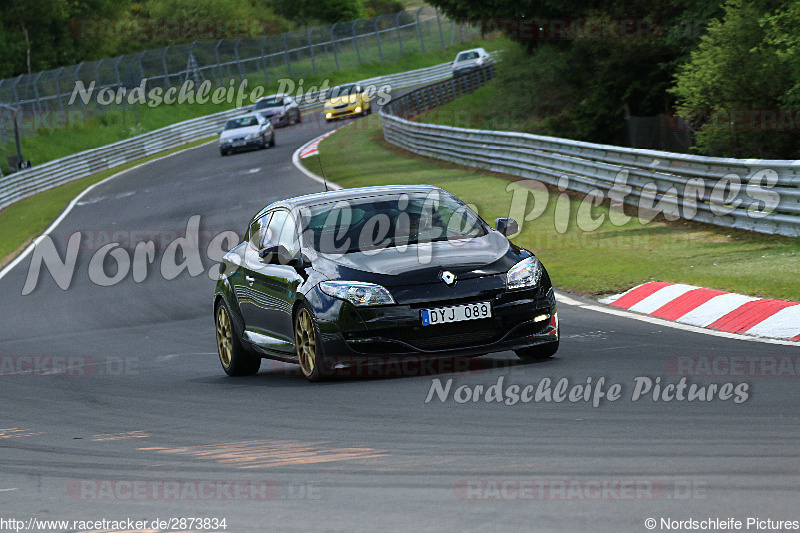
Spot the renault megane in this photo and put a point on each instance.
(344, 278)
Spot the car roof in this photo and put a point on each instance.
(256, 115)
(346, 194)
(472, 50)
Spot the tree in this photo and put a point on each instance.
(735, 84)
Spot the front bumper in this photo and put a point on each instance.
(348, 111)
(242, 144)
(356, 336)
(278, 121)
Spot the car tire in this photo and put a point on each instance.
(222, 152)
(236, 360)
(272, 140)
(299, 117)
(539, 352)
(309, 349)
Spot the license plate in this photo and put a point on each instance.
(456, 313)
(239, 143)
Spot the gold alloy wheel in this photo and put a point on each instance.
(306, 341)
(224, 336)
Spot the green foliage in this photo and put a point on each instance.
(374, 8)
(736, 82)
(782, 33)
(319, 11)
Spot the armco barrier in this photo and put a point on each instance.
(753, 194)
(19, 185)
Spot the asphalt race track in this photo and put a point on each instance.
(145, 424)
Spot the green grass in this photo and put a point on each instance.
(607, 260)
(25, 220)
(102, 129)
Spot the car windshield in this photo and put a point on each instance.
(342, 90)
(241, 122)
(270, 101)
(464, 56)
(365, 224)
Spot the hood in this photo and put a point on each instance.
(344, 99)
(238, 133)
(467, 63)
(422, 263)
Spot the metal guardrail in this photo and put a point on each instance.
(752, 194)
(25, 183)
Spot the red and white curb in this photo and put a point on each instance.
(313, 147)
(713, 309)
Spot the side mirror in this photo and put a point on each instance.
(279, 255)
(506, 226)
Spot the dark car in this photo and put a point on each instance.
(280, 109)
(245, 132)
(359, 276)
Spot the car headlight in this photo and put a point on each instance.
(526, 273)
(253, 136)
(357, 292)
(224, 141)
(328, 106)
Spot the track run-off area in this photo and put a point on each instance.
(114, 405)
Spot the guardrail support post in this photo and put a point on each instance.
(419, 30)
(261, 44)
(439, 24)
(286, 54)
(219, 63)
(311, 50)
(397, 29)
(355, 41)
(378, 37)
(333, 43)
(166, 70)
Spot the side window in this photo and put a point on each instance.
(282, 231)
(256, 230)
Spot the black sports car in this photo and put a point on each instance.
(359, 276)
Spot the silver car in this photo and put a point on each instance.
(280, 109)
(245, 132)
(470, 60)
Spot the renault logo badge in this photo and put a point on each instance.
(448, 277)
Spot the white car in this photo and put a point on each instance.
(470, 60)
(244, 132)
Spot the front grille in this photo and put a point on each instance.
(340, 106)
(454, 335)
(442, 342)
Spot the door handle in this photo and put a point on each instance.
(249, 279)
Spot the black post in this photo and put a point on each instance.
(16, 138)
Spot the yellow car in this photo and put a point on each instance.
(346, 101)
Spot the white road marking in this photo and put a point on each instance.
(9, 267)
(783, 324)
(714, 309)
(668, 324)
(661, 297)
